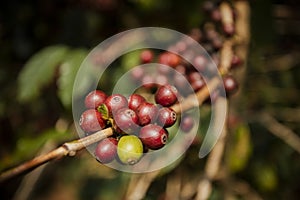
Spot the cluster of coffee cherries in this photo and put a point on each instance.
(138, 125)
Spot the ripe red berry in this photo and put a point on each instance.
(230, 84)
(166, 95)
(200, 63)
(106, 150)
(94, 99)
(235, 62)
(126, 120)
(147, 113)
(146, 56)
(187, 123)
(91, 121)
(115, 102)
(135, 100)
(170, 59)
(153, 136)
(166, 117)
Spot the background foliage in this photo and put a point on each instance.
(44, 42)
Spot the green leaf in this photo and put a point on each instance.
(67, 73)
(39, 71)
(241, 148)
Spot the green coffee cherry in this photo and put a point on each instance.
(130, 149)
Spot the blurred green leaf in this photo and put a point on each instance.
(241, 148)
(265, 177)
(131, 60)
(39, 71)
(67, 73)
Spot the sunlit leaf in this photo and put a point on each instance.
(39, 71)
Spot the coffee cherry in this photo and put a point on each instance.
(187, 123)
(94, 99)
(153, 136)
(166, 95)
(170, 59)
(230, 84)
(137, 74)
(115, 102)
(166, 117)
(91, 121)
(235, 62)
(135, 100)
(130, 149)
(126, 120)
(146, 56)
(200, 63)
(148, 81)
(106, 150)
(147, 113)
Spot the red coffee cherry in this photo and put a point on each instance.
(166, 95)
(170, 59)
(230, 84)
(166, 117)
(106, 150)
(115, 102)
(146, 56)
(94, 99)
(91, 121)
(187, 123)
(135, 100)
(126, 121)
(153, 136)
(147, 113)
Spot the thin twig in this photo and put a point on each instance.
(67, 149)
(212, 165)
(280, 130)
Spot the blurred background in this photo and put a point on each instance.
(35, 105)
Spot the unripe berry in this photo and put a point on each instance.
(106, 150)
(130, 149)
(153, 136)
(91, 121)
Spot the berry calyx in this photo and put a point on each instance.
(106, 150)
(166, 117)
(94, 99)
(153, 136)
(166, 95)
(147, 113)
(91, 121)
(126, 121)
(130, 149)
